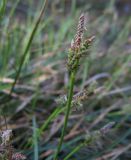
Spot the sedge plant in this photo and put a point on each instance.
(79, 48)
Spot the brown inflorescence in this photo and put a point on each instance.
(6, 149)
(76, 42)
(79, 47)
(18, 156)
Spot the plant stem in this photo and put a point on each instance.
(2, 8)
(77, 148)
(74, 151)
(69, 100)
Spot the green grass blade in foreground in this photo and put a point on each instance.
(29, 44)
(50, 118)
(13, 9)
(56, 112)
(35, 139)
(74, 151)
(2, 8)
(6, 43)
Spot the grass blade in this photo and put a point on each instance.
(35, 140)
(28, 45)
(2, 8)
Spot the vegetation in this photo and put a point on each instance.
(60, 98)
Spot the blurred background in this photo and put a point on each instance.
(32, 111)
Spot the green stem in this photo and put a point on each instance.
(74, 151)
(85, 143)
(70, 96)
(2, 8)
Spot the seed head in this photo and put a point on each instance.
(6, 136)
(76, 42)
(18, 156)
(79, 47)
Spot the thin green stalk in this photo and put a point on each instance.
(28, 45)
(35, 139)
(47, 121)
(51, 117)
(2, 8)
(74, 151)
(70, 96)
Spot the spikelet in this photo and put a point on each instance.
(94, 136)
(80, 97)
(6, 149)
(79, 46)
(76, 42)
(18, 156)
(6, 136)
(85, 45)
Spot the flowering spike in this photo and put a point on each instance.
(79, 46)
(79, 34)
